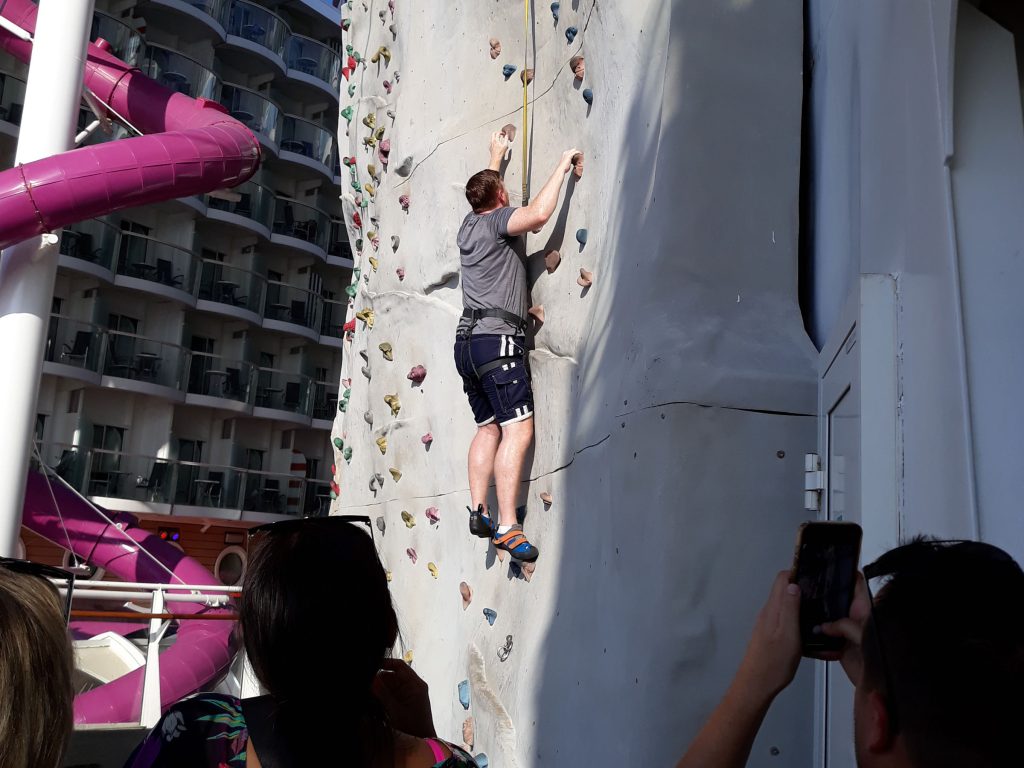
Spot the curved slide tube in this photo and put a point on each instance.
(202, 650)
(195, 148)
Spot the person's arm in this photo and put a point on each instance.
(499, 146)
(768, 666)
(535, 215)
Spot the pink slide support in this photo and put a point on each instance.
(195, 148)
(202, 650)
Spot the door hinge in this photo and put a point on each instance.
(814, 482)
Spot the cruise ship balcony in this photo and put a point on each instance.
(90, 247)
(179, 73)
(261, 115)
(283, 396)
(231, 291)
(12, 102)
(293, 310)
(147, 366)
(309, 145)
(332, 322)
(189, 18)
(249, 206)
(147, 264)
(74, 349)
(339, 252)
(214, 381)
(301, 226)
(125, 42)
(255, 38)
(313, 67)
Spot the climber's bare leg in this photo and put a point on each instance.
(482, 451)
(508, 467)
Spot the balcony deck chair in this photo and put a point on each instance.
(79, 350)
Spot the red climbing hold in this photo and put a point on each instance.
(417, 374)
(403, 200)
(350, 326)
(357, 220)
(335, 488)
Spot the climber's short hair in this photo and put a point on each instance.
(482, 190)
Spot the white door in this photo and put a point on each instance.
(857, 443)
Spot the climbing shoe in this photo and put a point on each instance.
(514, 542)
(480, 523)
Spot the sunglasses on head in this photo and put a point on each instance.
(47, 573)
(287, 526)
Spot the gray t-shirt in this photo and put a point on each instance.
(493, 269)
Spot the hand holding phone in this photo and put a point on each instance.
(825, 568)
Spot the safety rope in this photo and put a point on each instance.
(526, 92)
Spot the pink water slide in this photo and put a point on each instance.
(190, 146)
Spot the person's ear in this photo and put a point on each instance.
(879, 736)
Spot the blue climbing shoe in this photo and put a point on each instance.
(514, 542)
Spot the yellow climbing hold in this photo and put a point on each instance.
(369, 141)
(382, 443)
(372, 170)
(379, 134)
(382, 53)
(393, 403)
(388, 575)
(408, 657)
(370, 120)
(371, 190)
(385, 348)
(395, 474)
(374, 262)
(408, 519)
(366, 315)
(433, 569)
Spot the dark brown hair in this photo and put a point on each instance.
(482, 190)
(36, 669)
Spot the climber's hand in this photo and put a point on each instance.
(565, 164)
(499, 145)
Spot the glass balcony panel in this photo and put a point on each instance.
(12, 98)
(213, 8)
(283, 391)
(231, 285)
(291, 304)
(317, 499)
(126, 43)
(129, 356)
(217, 376)
(145, 258)
(208, 485)
(301, 221)
(74, 342)
(307, 138)
(92, 240)
(179, 73)
(325, 401)
(333, 318)
(313, 58)
(338, 244)
(253, 109)
(257, 25)
(255, 202)
(267, 492)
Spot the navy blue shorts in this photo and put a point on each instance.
(504, 394)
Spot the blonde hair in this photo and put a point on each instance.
(36, 667)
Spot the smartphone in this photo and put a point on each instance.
(825, 567)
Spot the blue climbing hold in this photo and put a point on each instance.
(570, 34)
(588, 96)
(481, 760)
(581, 236)
(491, 615)
(507, 70)
(554, 10)
(464, 694)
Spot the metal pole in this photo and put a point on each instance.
(28, 269)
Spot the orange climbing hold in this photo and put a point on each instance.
(586, 278)
(545, 496)
(537, 313)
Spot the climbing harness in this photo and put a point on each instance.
(475, 315)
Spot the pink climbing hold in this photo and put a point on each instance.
(412, 555)
(417, 374)
(495, 47)
(403, 200)
(384, 151)
(433, 515)
(427, 439)
(346, 383)
(401, 273)
(387, 86)
(391, 7)
(509, 132)
(586, 278)
(578, 67)
(551, 260)
(537, 313)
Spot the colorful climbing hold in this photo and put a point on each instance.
(495, 47)
(366, 372)
(464, 693)
(408, 519)
(352, 290)
(384, 152)
(554, 10)
(347, 454)
(586, 278)
(381, 525)
(551, 260)
(379, 135)
(351, 90)
(467, 595)
(339, 443)
(578, 66)
(349, 162)
(342, 406)
(347, 113)
(509, 132)
(417, 374)
(395, 240)
(369, 142)
(345, 24)
(350, 326)
(427, 439)
(433, 515)
(570, 34)
(537, 313)
(382, 53)
(393, 403)
(433, 569)
(370, 121)
(468, 732)
(347, 383)
(366, 315)
(387, 86)
(387, 575)
(526, 76)
(374, 485)
(508, 70)
(481, 760)
(577, 165)
(401, 273)
(412, 555)
(368, 417)
(491, 615)
(395, 474)
(403, 200)
(588, 96)
(386, 350)
(357, 220)
(407, 658)
(382, 443)
(581, 236)
(545, 496)
(370, 188)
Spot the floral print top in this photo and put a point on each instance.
(208, 731)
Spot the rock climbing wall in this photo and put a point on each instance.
(675, 396)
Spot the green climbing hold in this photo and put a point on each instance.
(356, 273)
(347, 454)
(359, 244)
(339, 443)
(355, 185)
(346, 24)
(351, 90)
(347, 393)
(342, 406)
(351, 291)
(347, 113)
(349, 49)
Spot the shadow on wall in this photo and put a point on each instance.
(676, 517)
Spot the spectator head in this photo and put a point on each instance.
(943, 658)
(485, 191)
(36, 669)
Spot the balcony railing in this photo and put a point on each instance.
(230, 285)
(283, 391)
(178, 72)
(291, 304)
(217, 376)
(333, 318)
(338, 243)
(301, 221)
(254, 109)
(12, 98)
(147, 258)
(125, 42)
(312, 57)
(255, 202)
(93, 240)
(74, 342)
(215, 9)
(308, 139)
(257, 25)
(128, 356)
